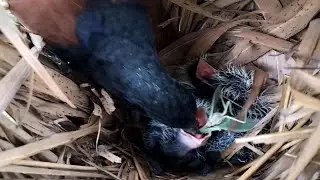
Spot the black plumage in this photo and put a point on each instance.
(117, 50)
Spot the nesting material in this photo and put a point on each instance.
(53, 127)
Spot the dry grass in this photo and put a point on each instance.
(280, 37)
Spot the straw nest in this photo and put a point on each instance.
(43, 137)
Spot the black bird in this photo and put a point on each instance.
(115, 46)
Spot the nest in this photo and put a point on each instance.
(42, 135)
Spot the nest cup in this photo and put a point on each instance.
(42, 135)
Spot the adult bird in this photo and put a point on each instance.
(113, 43)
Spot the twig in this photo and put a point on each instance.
(22, 152)
(46, 171)
(10, 84)
(101, 169)
(308, 152)
(12, 33)
(277, 137)
(53, 165)
(261, 161)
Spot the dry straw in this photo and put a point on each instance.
(35, 142)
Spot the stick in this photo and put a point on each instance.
(260, 161)
(22, 152)
(11, 83)
(13, 34)
(276, 137)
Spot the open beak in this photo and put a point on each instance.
(198, 138)
(197, 134)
